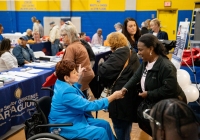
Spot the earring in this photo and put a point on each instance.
(150, 53)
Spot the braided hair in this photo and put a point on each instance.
(172, 110)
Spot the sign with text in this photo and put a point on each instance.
(182, 33)
(98, 5)
(27, 5)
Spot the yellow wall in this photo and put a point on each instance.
(94, 5)
(145, 5)
(37, 5)
(3, 4)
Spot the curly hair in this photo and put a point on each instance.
(63, 68)
(116, 40)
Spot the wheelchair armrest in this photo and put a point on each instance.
(55, 125)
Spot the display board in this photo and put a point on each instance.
(182, 33)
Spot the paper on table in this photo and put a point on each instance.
(21, 74)
(42, 65)
(25, 74)
(17, 78)
(34, 70)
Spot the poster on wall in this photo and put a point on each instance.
(181, 38)
(98, 5)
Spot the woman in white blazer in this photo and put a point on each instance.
(7, 59)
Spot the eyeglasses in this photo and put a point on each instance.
(63, 35)
(146, 115)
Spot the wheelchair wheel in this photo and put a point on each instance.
(46, 136)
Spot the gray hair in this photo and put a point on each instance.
(144, 24)
(71, 33)
(118, 24)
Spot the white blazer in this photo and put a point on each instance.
(7, 61)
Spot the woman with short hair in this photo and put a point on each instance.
(114, 73)
(156, 29)
(7, 59)
(70, 105)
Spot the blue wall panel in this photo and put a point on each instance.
(90, 21)
(144, 15)
(19, 21)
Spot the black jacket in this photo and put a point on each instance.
(126, 108)
(162, 35)
(161, 81)
(89, 50)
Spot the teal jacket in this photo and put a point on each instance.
(161, 81)
(70, 105)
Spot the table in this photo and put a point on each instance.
(44, 46)
(13, 108)
(12, 36)
(197, 69)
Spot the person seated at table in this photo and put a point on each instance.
(7, 60)
(82, 35)
(23, 53)
(69, 104)
(29, 34)
(172, 119)
(156, 29)
(118, 27)
(97, 38)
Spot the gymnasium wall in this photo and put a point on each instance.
(15, 15)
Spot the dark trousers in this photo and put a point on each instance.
(122, 129)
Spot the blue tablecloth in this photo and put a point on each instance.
(13, 108)
(44, 46)
(99, 56)
(192, 77)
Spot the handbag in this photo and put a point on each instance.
(108, 91)
(143, 123)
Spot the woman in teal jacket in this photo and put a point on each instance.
(70, 105)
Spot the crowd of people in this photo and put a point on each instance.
(154, 81)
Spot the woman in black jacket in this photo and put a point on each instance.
(157, 74)
(123, 111)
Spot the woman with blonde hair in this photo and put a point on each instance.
(156, 29)
(115, 72)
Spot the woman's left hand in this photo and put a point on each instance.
(143, 94)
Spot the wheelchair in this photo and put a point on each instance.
(37, 126)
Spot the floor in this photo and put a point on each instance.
(136, 133)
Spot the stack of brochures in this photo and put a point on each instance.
(6, 79)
